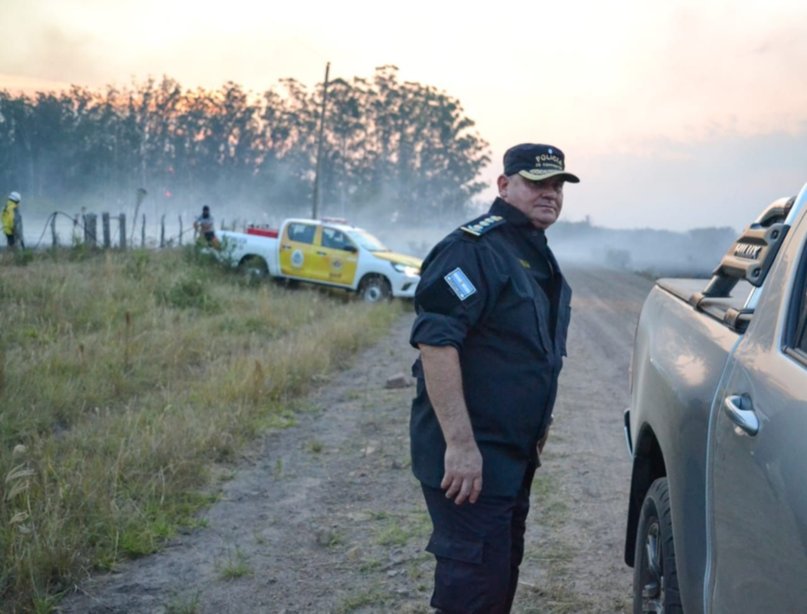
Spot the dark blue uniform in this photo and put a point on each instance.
(493, 290)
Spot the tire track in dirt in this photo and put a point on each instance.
(326, 517)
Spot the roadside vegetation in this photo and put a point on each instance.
(126, 380)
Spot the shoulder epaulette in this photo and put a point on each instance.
(482, 225)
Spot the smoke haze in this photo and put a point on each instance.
(656, 252)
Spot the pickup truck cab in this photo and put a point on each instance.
(327, 252)
(717, 518)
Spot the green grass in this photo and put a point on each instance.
(235, 566)
(374, 596)
(401, 528)
(315, 446)
(125, 380)
(330, 538)
(183, 604)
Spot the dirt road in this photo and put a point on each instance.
(326, 517)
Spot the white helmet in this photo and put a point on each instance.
(15, 196)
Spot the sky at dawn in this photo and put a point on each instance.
(675, 115)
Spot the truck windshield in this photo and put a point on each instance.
(367, 241)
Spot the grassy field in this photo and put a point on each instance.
(125, 379)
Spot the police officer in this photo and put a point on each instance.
(492, 313)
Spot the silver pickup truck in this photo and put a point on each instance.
(717, 429)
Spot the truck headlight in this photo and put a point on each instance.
(410, 271)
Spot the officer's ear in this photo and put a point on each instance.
(503, 182)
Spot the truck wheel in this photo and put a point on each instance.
(374, 289)
(253, 268)
(655, 580)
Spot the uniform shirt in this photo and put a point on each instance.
(493, 291)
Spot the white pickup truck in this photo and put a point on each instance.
(331, 253)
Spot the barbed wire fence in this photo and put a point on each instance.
(84, 230)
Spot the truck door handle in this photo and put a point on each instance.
(746, 419)
(321, 254)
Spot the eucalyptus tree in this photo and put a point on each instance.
(414, 152)
(17, 166)
(289, 132)
(345, 152)
(388, 147)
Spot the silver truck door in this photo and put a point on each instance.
(757, 480)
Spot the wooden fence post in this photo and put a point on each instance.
(90, 229)
(143, 232)
(162, 231)
(105, 227)
(122, 231)
(54, 236)
(180, 231)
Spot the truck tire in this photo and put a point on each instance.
(655, 580)
(253, 268)
(374, 289)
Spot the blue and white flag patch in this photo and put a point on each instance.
(460, 284)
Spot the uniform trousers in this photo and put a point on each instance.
(478, 547)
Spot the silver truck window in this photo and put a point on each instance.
(801, 329)
(797, 322)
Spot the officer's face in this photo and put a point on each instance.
(540, 201)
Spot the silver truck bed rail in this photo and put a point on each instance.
(750, 257)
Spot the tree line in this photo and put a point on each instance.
(394, 148)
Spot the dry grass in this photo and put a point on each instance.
(123, 379)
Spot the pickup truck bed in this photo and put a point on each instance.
(685, 289)
(689, 291)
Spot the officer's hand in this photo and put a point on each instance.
(463, 473)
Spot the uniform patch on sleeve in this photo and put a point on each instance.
(460, 284)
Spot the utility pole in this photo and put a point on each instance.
(315, 205)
